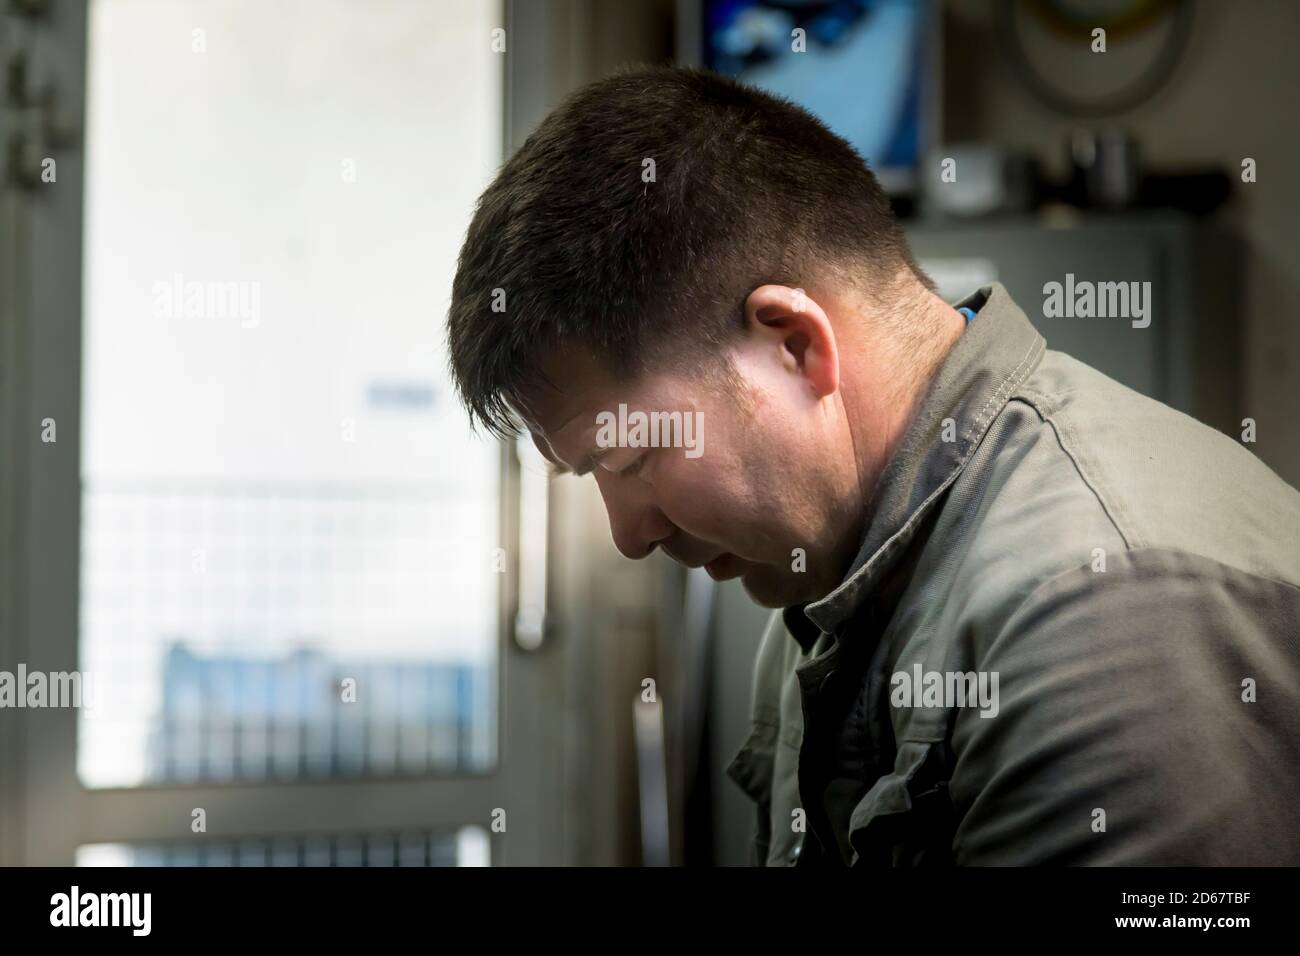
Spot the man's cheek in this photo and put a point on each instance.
(696, 520)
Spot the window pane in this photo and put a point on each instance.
(288, 531)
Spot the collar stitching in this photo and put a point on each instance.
(1008, 385)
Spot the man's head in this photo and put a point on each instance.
(671, 241)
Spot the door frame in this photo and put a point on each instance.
(45, 812)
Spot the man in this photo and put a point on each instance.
(1027, 615)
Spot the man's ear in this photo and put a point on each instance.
(794, 322)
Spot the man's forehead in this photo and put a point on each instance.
(574, 385)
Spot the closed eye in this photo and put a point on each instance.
(558, 470)
(635, 468)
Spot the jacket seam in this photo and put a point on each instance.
(1067, 440)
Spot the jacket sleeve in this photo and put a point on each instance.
(1147, 715)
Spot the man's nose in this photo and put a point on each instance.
(635, 521)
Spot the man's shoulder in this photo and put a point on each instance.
(1076, 477)
(1164, 480)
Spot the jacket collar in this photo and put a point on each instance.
(995, 354)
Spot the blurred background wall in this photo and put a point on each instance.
(1230, 98)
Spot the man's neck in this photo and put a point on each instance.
(879, 417)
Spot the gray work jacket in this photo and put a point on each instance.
(1093, 602)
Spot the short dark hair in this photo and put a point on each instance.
(578, 244)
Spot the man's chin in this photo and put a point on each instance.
(768, 587)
